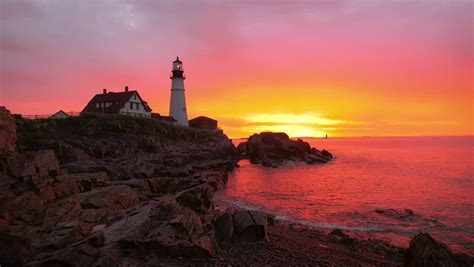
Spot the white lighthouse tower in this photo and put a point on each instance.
(178, 100)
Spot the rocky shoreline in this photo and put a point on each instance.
(108, 191)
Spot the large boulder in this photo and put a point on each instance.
(250, 226)
(7, 131)
(424, 250)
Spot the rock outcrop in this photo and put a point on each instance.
(7, 131)
(272, 149)
(424, 250)
(109, 191)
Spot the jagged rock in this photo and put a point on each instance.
(7, 131)
(31, 163)
(250, 226)
(424, 250)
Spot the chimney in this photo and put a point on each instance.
(126, 88)
(105, 91)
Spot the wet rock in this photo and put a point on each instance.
(315, 158)
(338, 232)
(250, 226)
(396, 214)
(326, 154)
(8, 136)
(343, 238)
(424, 250)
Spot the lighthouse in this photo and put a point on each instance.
(178, 100)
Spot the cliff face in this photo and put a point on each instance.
(109, 190)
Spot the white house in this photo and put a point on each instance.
(60, 115)
(126, 102)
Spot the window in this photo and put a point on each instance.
(97, 105)
(131, 105)
(138, 106)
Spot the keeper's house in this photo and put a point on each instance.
(126, 103)
(202, 122)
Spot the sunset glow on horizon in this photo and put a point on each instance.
(308, 68)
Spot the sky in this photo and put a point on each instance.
(308, 68)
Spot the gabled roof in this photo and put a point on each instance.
(118, 100)
(202, 118)
(60, 112)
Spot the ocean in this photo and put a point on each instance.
(376, 187)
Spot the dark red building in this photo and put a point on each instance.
(157, 116)
(202, 122)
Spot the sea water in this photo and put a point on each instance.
(431, 176)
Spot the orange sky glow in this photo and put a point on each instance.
(308, 68)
